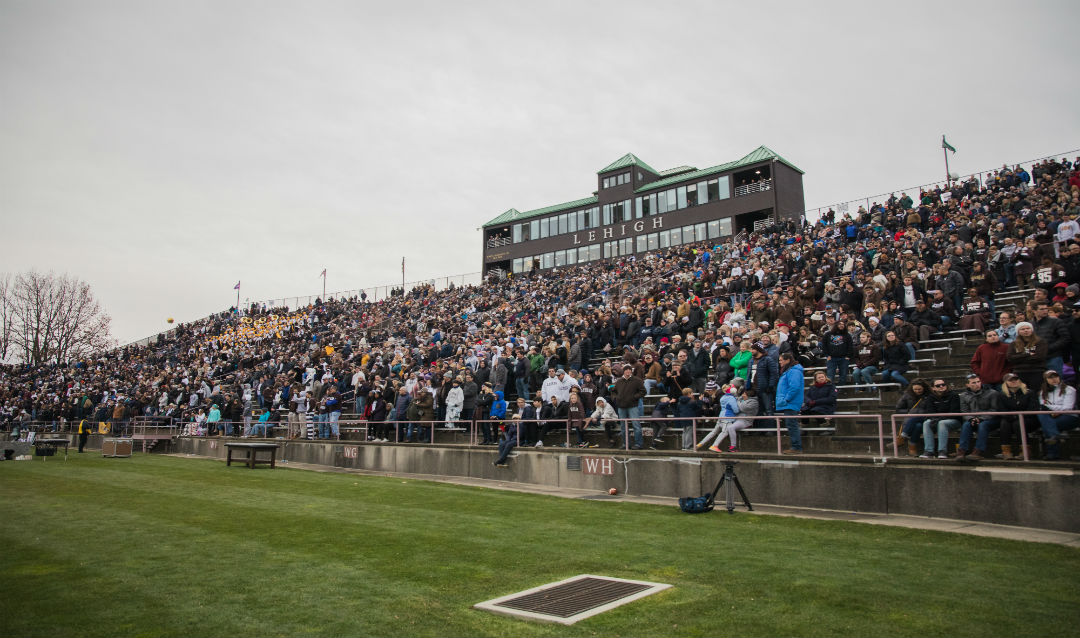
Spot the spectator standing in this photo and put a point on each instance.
(1055, 333)
(1027, 355)
(687, 410)
(765, 374)
(991, 360)
(629, 390)
(455, 399)
(838, 349)
(789, 399)
(699, 362)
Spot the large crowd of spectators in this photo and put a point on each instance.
(720, 330)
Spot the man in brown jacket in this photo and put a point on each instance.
(629, 392)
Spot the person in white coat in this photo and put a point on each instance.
(455, 399)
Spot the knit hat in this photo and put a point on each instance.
(710, 386)
(1023, 324)
(1075, 288)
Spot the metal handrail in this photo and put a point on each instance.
(1020, 414)
(756, 187)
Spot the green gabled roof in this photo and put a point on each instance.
(508, 216)
(764, 154)
(670, 176)
(758, 155)
(627, 160)
(514, 215)
(677, 170)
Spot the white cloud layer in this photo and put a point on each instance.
(164, 150)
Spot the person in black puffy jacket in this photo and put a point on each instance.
(837, 347)
(820, 397)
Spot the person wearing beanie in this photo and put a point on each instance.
(764, 375)
(1027, 355)
(726, 424)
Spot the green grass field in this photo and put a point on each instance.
(165, 546)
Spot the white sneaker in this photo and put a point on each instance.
(539, 444)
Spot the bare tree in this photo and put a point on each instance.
(55, 318)
(7, 315)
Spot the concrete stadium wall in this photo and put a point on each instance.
(1024, 496)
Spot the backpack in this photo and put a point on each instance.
(697, 504)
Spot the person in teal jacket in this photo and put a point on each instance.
(263, 425)
(789, 399)
(212, 420)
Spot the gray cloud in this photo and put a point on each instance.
(163, 150)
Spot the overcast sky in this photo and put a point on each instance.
(164, 150)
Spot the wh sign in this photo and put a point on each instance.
(604, 466)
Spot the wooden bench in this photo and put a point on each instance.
(253, 450)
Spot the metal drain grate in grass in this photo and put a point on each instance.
(571, 600)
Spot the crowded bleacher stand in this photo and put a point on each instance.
(699, 334)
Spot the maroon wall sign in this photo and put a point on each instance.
(603, 465)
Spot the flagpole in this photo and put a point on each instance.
(238, 296)
(945, 151)
(324, 284)
(402, 276)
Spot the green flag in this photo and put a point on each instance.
(946, 145)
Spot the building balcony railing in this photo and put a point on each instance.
(495, 242)
(757, 187)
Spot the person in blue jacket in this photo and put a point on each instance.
(789, 399)
(497, 413)
(510, 441)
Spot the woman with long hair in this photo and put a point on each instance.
(1027, 355)
(911, 403)
(1015, 397)
(895, 356)
(1056, 397)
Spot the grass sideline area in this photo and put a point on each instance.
(166, 546)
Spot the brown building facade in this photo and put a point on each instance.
(637, 209)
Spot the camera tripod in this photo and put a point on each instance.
(733, 483)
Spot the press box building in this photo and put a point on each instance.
(637, 209)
